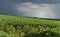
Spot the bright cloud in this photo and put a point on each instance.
(37, 10)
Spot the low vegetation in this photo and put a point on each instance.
(15, 26)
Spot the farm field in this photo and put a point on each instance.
(17, 26)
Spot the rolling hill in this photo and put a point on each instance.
(16, 26)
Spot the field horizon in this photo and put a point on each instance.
(19, 26)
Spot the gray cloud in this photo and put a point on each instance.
(39, 10)
(33, 8)
(56, 10)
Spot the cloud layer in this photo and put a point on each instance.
(37, 1)
(39, 10)
(33, 8)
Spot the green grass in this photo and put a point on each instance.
(15, 26)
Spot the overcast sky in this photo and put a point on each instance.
(33, 8)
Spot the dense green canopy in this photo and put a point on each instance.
(15, 26)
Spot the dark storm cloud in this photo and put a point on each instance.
(7, 7)
(37, 1)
